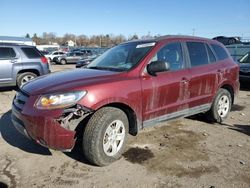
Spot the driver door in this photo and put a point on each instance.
(165, 95)
(7, 59)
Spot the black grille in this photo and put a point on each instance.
(20, 100)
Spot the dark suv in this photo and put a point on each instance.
(131, 86)
(20, 63)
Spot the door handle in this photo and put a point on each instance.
(220, 71)
(13, 61)
(184, 80)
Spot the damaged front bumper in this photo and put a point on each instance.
(54, 129)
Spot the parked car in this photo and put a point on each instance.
(53, 55)
(228, 40)
(85, 61)
(131, 86)
(71, 57)
(44, 52)
(20, 63)
(244, 63)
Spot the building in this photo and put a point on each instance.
(71, 43)
(19, 40)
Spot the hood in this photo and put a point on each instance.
(67, 80)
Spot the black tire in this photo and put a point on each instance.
(63, 61)
(25, 77)
(214, 111)
(95, 134)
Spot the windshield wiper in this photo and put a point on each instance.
(106, 68)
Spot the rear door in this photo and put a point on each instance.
(7, 59)
(203, 74)
(164, 95)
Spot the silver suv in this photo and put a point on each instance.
(20, 63)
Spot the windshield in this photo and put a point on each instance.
(245, 58)
(122, 57)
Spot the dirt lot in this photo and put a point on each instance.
(183, 153)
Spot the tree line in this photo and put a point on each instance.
(107, 40)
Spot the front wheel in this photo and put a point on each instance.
(105, 136)
(221, 106)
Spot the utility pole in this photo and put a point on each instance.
(193, 31)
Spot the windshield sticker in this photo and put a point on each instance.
(145, 45)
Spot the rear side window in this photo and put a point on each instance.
(211, 56)
(31, 53)
(197, 53)
(220, 52)
(7, 53)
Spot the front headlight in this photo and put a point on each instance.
(59, 100)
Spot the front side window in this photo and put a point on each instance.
(171, 54)
(122, 57)
(197, 53)
(7, 53)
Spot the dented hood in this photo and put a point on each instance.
(67, 81)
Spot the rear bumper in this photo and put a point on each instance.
(45, 130)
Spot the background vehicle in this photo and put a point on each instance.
(132, 86)
(227, 40)
(20, 63)
(244, 63)
(51, 56)
(85, 61)
(71, 57)
(237, 51)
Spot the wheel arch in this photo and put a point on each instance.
(35, 71)
(229, 88)
(134, 124)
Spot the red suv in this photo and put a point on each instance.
(131, 86)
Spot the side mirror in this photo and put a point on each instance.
(157, 66)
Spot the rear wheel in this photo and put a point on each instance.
(105, 136)
(24, 78)
(221, 106)
(63, 61)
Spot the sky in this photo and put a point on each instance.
(207, 18)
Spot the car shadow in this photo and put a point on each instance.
(3, 89)
(77, 152)
(9, 133)
(241, 128)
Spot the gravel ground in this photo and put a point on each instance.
(188, 152)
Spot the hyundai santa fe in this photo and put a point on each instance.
(131, 86)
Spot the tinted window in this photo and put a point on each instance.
(56, 53)
(197, 53)
(220, 52)
(31, 53)
(7, 53)
(210, 54)
(60, 53)
(172, 54)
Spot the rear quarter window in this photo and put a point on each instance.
(220, 52)
(31, 53)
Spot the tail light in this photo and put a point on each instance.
(44, 60)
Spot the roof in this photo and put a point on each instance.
(165, 37)
(9, 38)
